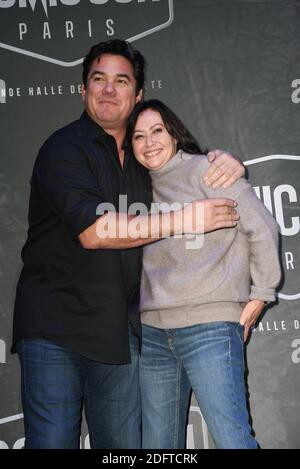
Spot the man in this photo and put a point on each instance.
(76, 322)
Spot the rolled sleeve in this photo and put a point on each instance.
(263, 294)
(66, 181)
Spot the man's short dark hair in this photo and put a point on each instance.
(117, 47)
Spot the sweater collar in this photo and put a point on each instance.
(172, 164)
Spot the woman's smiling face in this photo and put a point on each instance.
(152, 144)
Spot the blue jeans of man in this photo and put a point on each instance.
(57, 383)
(207, 358)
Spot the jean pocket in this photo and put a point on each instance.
(240, 329)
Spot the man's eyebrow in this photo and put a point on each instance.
(124, 75)
(119, 75)
(96, 72)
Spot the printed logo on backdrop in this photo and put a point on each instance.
(2, 351)
(62, 31)
(10, 423)
(277, 186)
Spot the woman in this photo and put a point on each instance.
(198, 305)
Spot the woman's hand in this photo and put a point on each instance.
(250, 315)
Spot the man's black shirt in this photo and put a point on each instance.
(77, 297)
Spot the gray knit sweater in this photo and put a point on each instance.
(183, 287)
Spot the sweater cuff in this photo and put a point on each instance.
(264, 294)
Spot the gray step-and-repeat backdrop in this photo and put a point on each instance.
(231, 71)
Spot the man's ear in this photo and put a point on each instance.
(83, 91)
(139, 96)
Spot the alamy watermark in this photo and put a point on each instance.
(137, 222)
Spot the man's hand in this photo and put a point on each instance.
(250, 314)
(224, 170)
(201, 216)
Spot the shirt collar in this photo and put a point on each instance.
(126, 144)
(94, 130)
